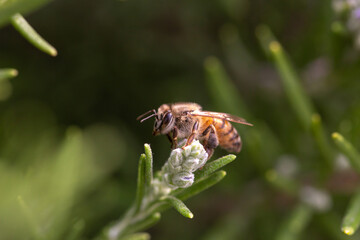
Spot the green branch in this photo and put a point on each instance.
(169, 188)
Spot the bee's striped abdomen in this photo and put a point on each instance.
(228, 137)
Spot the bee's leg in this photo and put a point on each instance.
(210, 152)
(211, 140)
(174, 138)
(170, 139)
(192, 135)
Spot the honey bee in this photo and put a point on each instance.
(188, 121)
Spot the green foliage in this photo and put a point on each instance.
(179, 206)
(214, 166)
(68, 135)
(301, 103)
(348, 149)
(282, 183)
(9, 8)
(24, 28)
(295, 224)
(295, 93)
(322, 142)
(10, 11)
(200, 185)
(6, 73)
(351, 221)
(137, 236)
(223, 92)
(156, 195)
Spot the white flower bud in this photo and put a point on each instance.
(159, 189)
(183, 179)
(316, 198)
(178, 170)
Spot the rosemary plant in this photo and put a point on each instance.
(29, 33)
(185, 174)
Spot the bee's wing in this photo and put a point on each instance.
(226, 116)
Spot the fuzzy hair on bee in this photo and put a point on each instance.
(185, 120)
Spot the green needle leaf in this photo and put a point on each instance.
(137, 236)
(351, 220)
(140, 183)
(148, 165)
(290, 80)
(6, 73)
(284, 184)
(30, 218)
(301, 104)
(338, 28)
(213, 166)
(179, 206)
(25, 29)
(221, 87)
(295, 224)
(348, 149)
(261, 142)
(330, 222)
(76, 230)
(322, 142)
(9, 8)
(199, 186)
(264, 36)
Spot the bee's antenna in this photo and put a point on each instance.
(144, 114)
(154, 114)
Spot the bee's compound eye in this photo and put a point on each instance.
(167, 118)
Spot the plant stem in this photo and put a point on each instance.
(155, 196)
(144, 223)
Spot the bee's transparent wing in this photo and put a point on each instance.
(226, 116)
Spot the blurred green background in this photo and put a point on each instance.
(69, 141)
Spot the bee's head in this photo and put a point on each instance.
(164, 120)
(164, 123)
